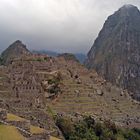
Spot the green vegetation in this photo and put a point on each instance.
(56, 79)
(0, 60)
(51, 112)
(39, 59)
(88, 129)
(36, 130)
(54, 138)
(12, 117)
(130, 134)
(9, 133)
(55, 89)
(55, 84)
(46, 58)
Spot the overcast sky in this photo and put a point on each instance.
(58, 25)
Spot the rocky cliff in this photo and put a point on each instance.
(115, 53)
(15, 50)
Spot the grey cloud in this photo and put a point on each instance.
(59, 25)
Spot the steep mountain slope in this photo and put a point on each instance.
(81, 57)
(116, 51)
(17, 49)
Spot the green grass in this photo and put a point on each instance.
(9, 133)
(36, 130)
(54, 138)
(12, 117)
(51, 112)
(119, 137)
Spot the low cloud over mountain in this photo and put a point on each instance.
(63, 26)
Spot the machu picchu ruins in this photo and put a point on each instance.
(50, 89)
(39, 87)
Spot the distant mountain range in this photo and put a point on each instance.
(48, 52)
(80, 56)
(18, 49)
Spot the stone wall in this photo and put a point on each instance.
(25, 125)
(3, 114)
(40, 137)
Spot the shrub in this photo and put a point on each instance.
(107, 135)
(136, 130)
(55, 89)
(55, 84)
(90, 121)
(39, 59)
(88, 129)
(111, 126)
(66, 126)
(98, 129)
(131, 135)
(1, 61)
(46, 58)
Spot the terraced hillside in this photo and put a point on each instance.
(90, 94)
(18, 128)
(39, 87)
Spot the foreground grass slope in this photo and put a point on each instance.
(9, 133)
(12, 117)
(54, 138)
(36, 130)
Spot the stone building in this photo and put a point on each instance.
(25, 83)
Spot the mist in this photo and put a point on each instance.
(56, 25)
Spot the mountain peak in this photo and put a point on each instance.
(17, 42)
(128, 8)
(15, 50)
(115, 53)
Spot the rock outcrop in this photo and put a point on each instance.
(116, 52)
(17, 49)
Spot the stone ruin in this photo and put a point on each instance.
(26, 76)
(25, 83)
(3, 114)
(25, 124)
(40, 137)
